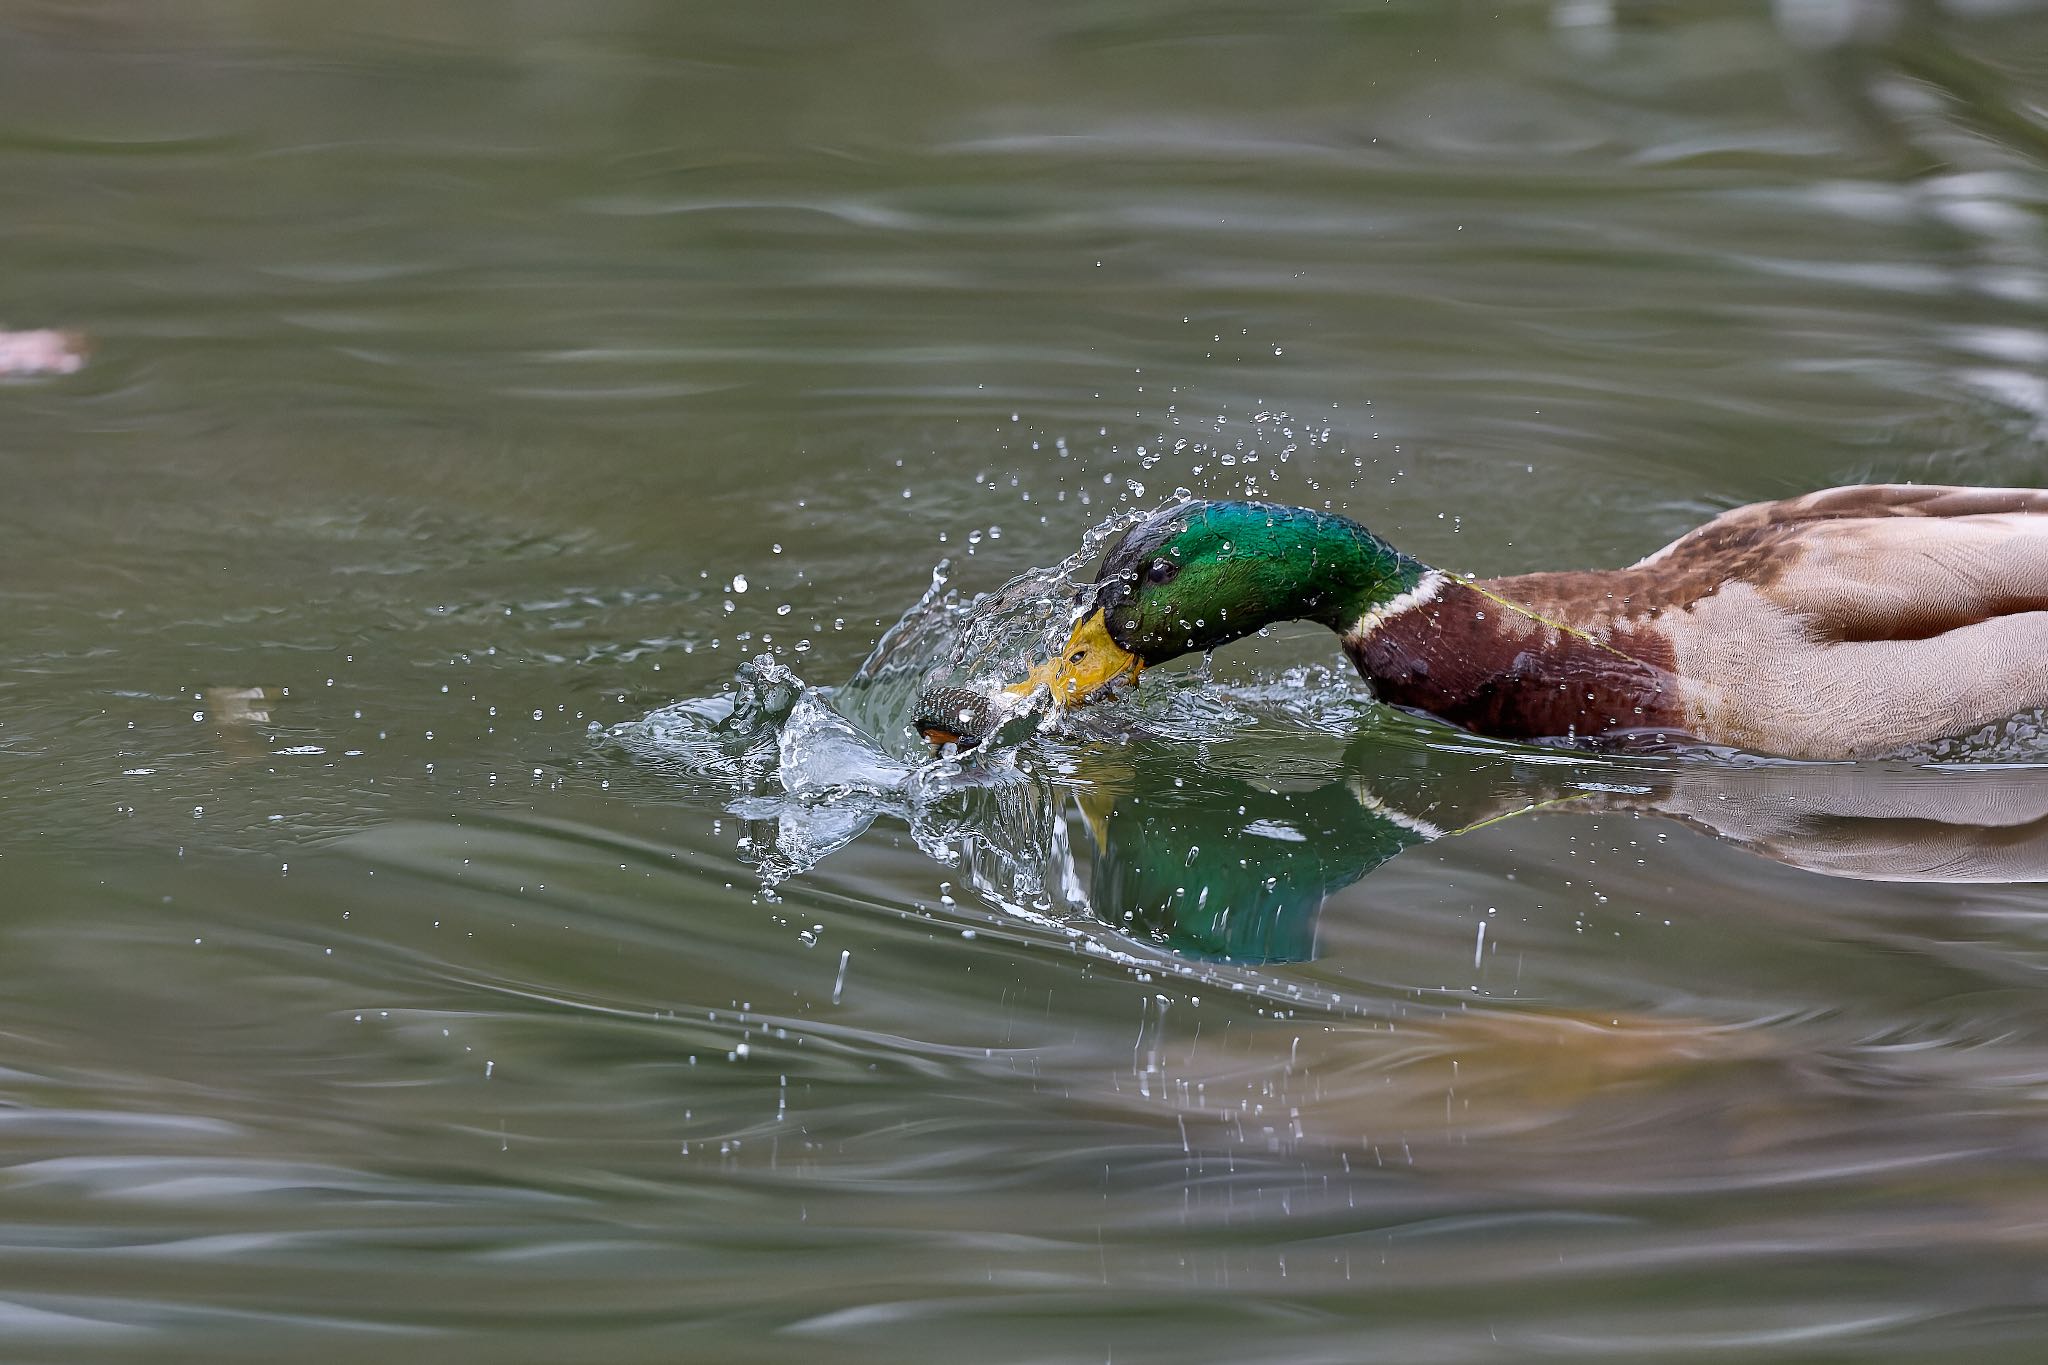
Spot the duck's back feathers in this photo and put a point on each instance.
(1863, 561)
(1869, 501)
(1872, 561)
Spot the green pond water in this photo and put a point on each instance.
(427, 934)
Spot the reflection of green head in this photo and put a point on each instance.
(1234, 871)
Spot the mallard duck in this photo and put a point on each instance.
(1842, 624)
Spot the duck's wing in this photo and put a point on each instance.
(1872, 562)
(1850, 559)
(1860, 620)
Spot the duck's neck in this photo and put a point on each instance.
(1321, 567)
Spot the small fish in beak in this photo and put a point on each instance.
(954, 715)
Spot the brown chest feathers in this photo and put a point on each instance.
(1499, 667)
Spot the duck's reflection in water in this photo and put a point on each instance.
(1221, 866)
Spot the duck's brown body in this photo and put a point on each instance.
(1841, 624)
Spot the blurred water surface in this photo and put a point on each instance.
(418, 940)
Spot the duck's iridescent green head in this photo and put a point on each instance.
(1197, 575)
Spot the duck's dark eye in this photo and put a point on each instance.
(1162, 571)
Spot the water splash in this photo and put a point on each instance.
(979, 645)
(808, 769)
(729, 740)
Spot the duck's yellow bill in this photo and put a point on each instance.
(1090, 662)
